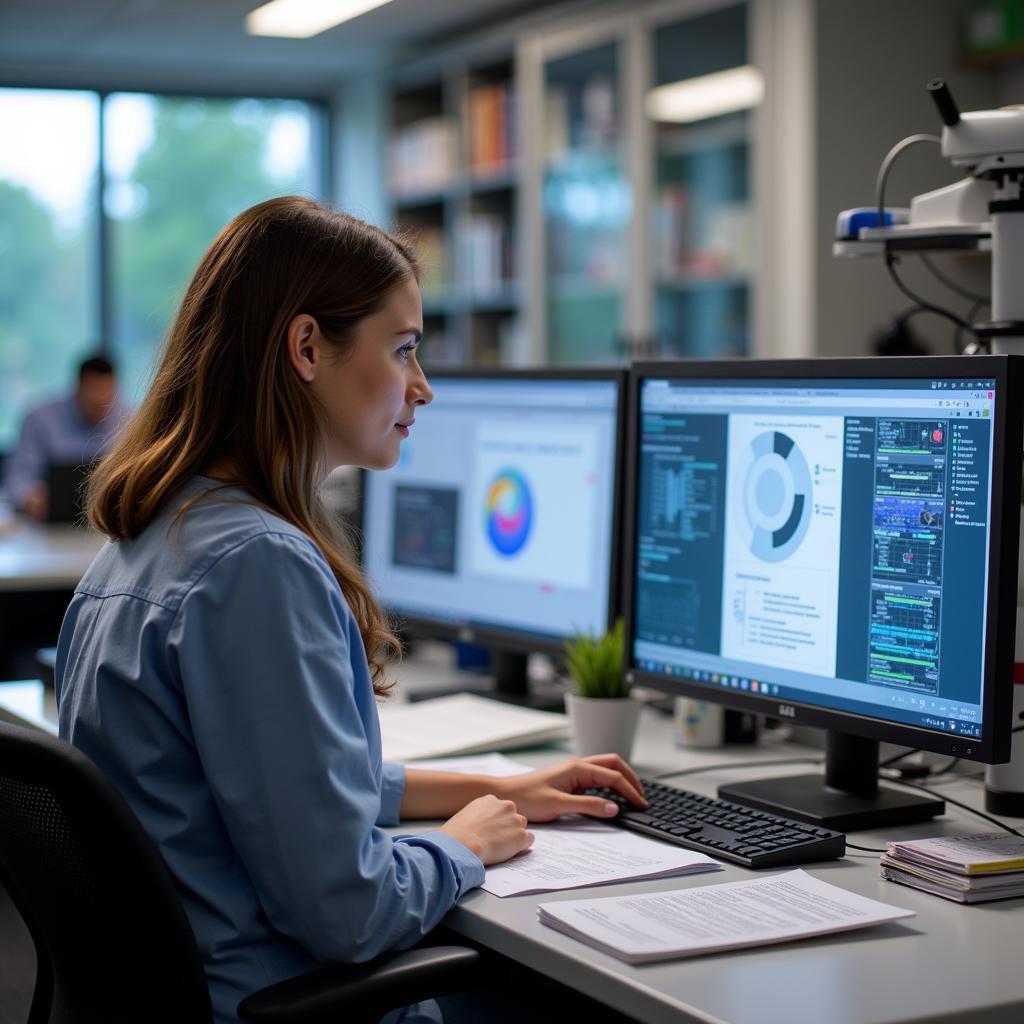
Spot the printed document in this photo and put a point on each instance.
(577, 851)
(981, 854)
(463, 724)
(712, 918)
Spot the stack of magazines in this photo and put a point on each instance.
(967, 869)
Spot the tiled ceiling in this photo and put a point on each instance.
(100, 42)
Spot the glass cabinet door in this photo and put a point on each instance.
(701, 212)
(586, 204)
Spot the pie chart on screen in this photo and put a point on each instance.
(777, 496)
(508, 514)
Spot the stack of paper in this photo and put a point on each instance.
(712, 918)
(576, 851)
(464, 724)
(967, 869)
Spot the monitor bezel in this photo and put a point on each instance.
(1008, 422)
(489, 634)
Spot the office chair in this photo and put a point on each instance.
(112, 940)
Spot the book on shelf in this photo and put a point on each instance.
(966, 869)
(423, 156)
(491, 110)
(483, 257)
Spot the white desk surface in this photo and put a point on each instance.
(950, 963)
(36, 557)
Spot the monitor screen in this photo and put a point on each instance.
(499, 518)
(826, 541)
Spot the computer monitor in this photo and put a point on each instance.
(832, 542)
(499, 525)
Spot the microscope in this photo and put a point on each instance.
(983, 212)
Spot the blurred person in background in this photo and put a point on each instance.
(74, 429)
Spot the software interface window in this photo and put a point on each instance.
(500, 510)
(819, 541)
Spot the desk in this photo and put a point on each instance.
(34, 557)
(949, 964)
(40, 566)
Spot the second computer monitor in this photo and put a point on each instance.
(833, 542)
(499, 522)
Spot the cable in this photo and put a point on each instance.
(971, 314)
(953, 762)
(890, 265)
(899, 757)
(890, 259)
(890, 157)
(865, 849)
(737, 764)
(960, 804)
(978, 300)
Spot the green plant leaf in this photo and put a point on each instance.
(595, 663)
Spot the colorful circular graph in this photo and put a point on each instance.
(509, 512)
(777, 496)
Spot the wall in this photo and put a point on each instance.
(874, 58)
(359, 123)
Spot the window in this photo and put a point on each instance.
(174, 169)
(177, 170)
(49, 245)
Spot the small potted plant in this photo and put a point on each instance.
(602, 715)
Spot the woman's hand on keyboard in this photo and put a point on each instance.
(551, 792)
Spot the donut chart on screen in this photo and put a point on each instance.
(777, 496)
(508, 514)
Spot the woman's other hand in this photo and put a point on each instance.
(491, 827)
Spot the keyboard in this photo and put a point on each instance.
(726, 831)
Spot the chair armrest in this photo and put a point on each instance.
(356, 992)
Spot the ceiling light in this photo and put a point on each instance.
(694, 99)
(300, 19)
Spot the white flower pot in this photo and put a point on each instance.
(602, 725)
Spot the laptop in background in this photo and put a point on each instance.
(66, 482)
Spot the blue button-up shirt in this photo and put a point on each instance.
(214, 672)
(55, 432)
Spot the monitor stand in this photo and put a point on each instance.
(846, 798)
(511, 685)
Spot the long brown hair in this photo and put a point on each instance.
(225, 393)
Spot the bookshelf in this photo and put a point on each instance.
(702, 216)
(453, 180)
(557, 222)
(586, 203)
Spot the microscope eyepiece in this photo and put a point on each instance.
(948, 110)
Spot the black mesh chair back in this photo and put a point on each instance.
(112, 940)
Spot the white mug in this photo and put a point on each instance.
(698, 723)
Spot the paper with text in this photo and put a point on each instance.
(576, 852)
(712, 918)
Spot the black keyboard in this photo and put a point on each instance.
(755, 839)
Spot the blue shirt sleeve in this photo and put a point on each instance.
(27, 464)
(392, 789)
(282, 710)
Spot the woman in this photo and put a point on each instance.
(221, 658)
